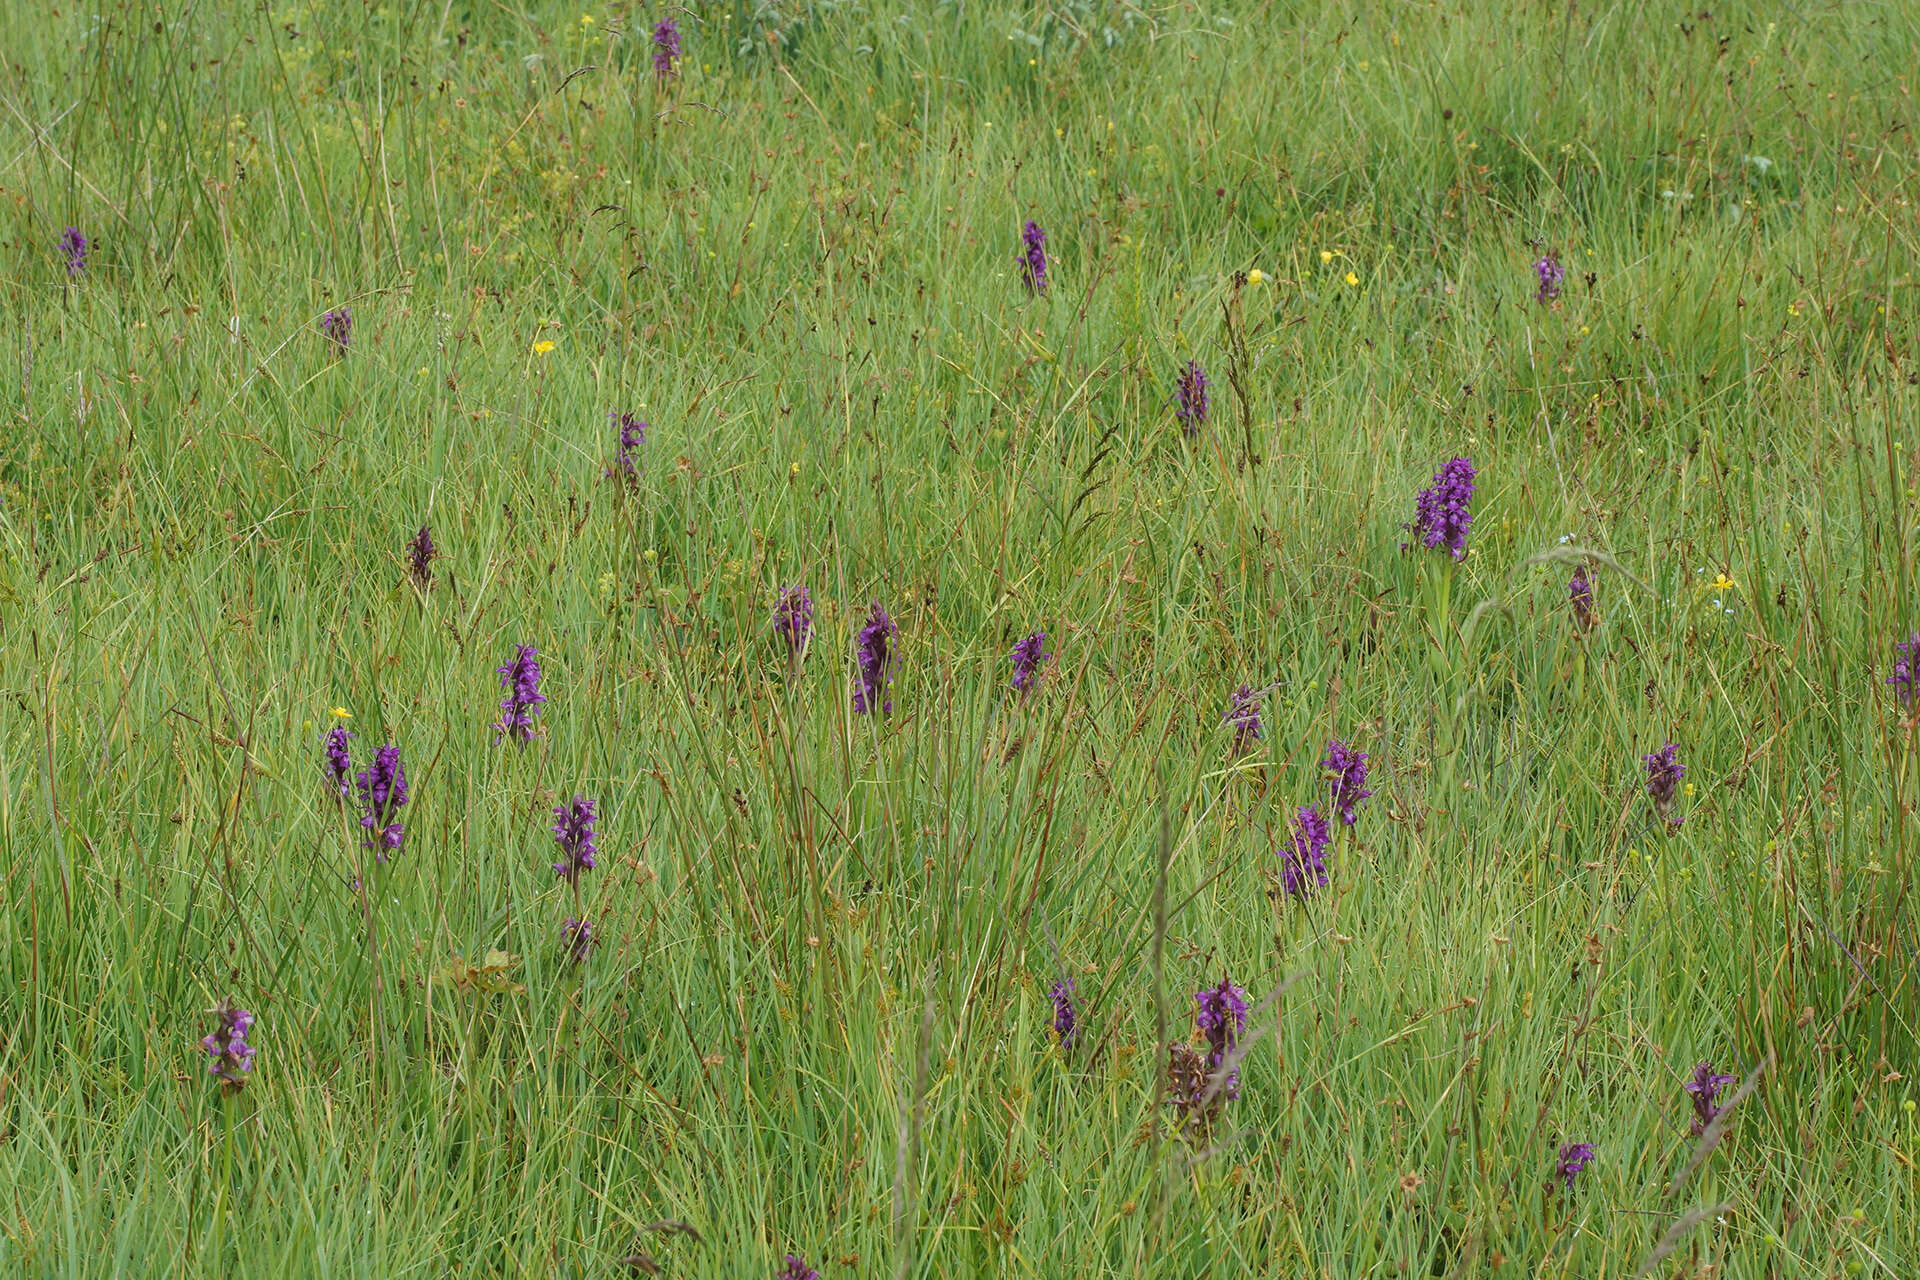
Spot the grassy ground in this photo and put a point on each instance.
(817, 1017)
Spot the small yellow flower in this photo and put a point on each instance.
(1352, 278)
(1326, 256)
(340, 713)
(794, 470)
(543, 346)
(1256, 276)
(586, 19)
(1721, 582)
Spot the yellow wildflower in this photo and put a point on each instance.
(543, 346)
(1352, 278)
(340, 713)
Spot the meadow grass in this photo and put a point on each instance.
(817, 1017)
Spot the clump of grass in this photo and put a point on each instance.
(888, 991)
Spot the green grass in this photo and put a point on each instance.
(817, 1018)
